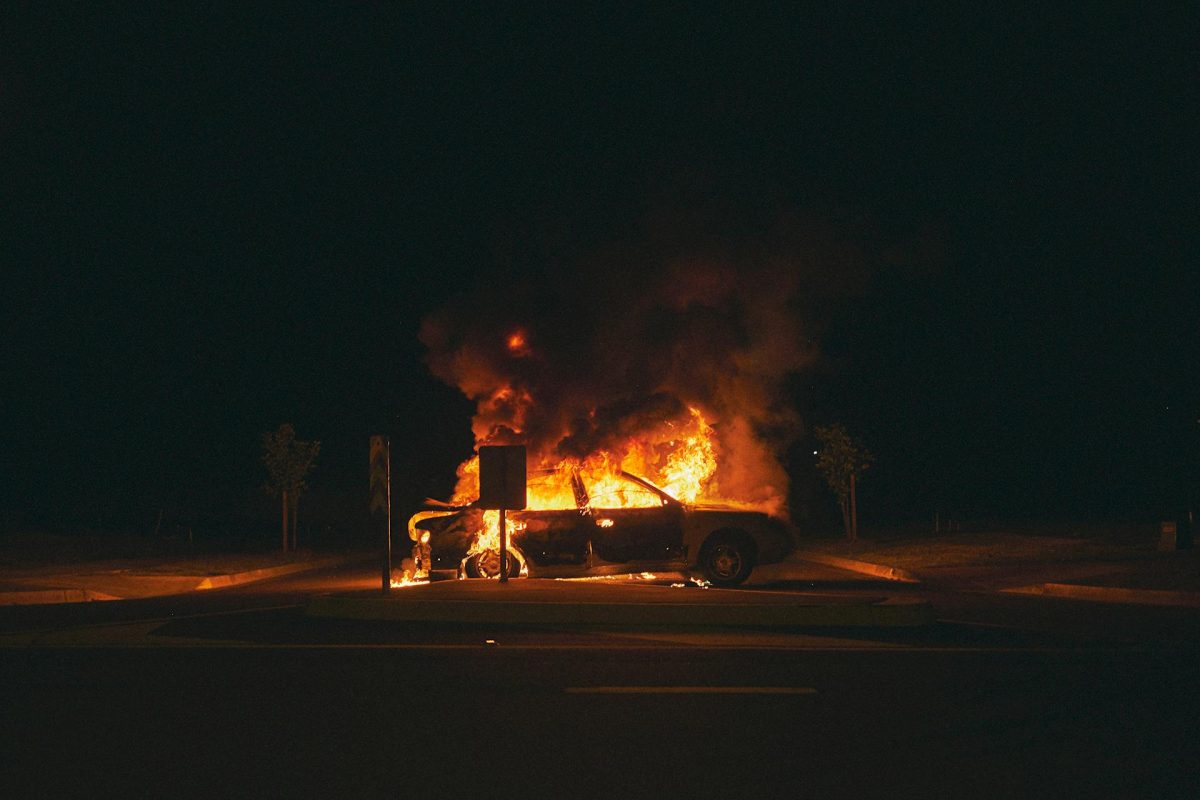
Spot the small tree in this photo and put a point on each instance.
(288, 461)
(842, 460)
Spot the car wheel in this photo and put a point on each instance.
(487, 565)
(727, 558)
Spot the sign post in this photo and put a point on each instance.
(503, 548)
(502, 488)
(381, 499)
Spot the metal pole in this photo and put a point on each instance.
(387, 534)
(503, 548)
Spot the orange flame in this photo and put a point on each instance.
(682, 466)
(682, 463)
(517, 343)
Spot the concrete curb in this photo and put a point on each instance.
(37, 597)
(864, 567)
(250, 576)
(892, 612)
(1110, 594)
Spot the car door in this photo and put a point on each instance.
(559, 536)
(554, 538)
(649, 533)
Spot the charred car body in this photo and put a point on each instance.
(634, 528)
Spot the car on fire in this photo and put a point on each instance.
(633, 527)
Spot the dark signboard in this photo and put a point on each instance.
(502, 476)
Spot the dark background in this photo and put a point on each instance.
(219, 219)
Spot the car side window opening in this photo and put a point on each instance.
(633, 497)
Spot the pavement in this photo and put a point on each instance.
(628, 603)
(1108, 569)
(91, 582)
(803, 591)
(1103, 569)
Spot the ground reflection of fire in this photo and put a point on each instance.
(635, 576)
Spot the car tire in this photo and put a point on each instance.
(483, 565)
(727, 558)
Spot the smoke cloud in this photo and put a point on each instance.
(621, 344)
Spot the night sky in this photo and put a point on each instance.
(221, 218)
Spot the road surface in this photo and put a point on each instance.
(235, 693)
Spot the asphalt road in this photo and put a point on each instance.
(237, 693)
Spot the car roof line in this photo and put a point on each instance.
(649, 485)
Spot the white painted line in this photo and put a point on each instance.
(690, 690)
(220, 644)
(972, 624)
(18, 642)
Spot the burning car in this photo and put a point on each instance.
(599, 523)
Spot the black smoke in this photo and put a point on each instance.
(709, 308)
